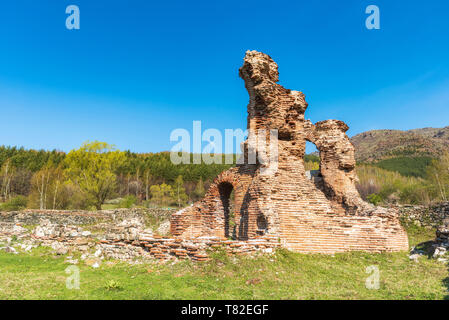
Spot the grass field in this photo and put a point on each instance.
(284, 275)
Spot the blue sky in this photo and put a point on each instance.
(136, 70)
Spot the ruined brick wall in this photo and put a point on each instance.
(337, 164)
(280, 200)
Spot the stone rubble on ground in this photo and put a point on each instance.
(123, 236)
(432, 216)
(441, 245)
(164, 228)
(71, 261)
(11, 250)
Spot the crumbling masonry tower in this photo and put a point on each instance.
(319, 212)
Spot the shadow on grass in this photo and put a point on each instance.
(425, 247)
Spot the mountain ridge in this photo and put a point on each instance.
(377, 145)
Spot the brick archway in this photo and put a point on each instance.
(225, 190)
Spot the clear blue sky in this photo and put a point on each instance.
(136, 70)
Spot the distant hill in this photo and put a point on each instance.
(378, 145)
(407, 152)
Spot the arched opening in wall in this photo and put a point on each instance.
(312, 157)
(312, 165)
(226, 191)
(262, 225)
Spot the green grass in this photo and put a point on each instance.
(285, 275)
(109, 206)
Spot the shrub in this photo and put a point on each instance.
(387, 190)
(14, 204)
(112, 285)
(76, 199)
(391, 186)
(414, 194)
(311, 165)
(374, 198)
(128, 202)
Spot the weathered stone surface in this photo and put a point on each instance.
(324, 214)
(124, 238)
(429, 216)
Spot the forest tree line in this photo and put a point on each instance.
(403, 180)
(94, 174)
(97, 175)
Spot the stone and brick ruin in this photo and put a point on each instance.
(305, 212)
(121, 234)
(248, 209)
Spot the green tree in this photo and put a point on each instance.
(146, 180)
(438, 173)
(162, 194)
(180, 191)
(47, 185)
(199, 191)
(93, 169)
(40, 185)
(6, 175)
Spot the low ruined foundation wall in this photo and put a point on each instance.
(72, 217)
(196, 250)
(122, 234)
(422, 215)
(113, 234)
(332, 233)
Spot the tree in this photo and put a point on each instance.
(47, 185)
(40, 182)
(21, 181)
(147, 180)
(6, 174)
(162, 194)
(199, 190)
(180, 191)
(438, 173)
(57, 186)
(137, 182)
(93, 169)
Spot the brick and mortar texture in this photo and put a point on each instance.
(320, 215)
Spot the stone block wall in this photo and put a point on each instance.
(424, 215)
